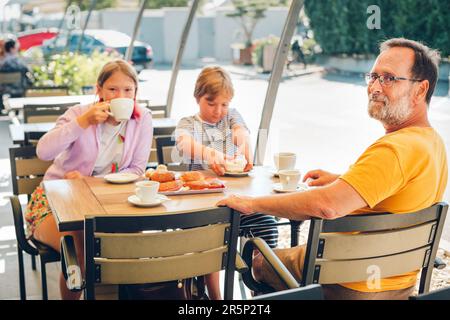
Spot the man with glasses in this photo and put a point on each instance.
(403, 171)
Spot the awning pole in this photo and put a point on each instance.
(137, 24)
(93, 3)
(275, 78)
(177, 62)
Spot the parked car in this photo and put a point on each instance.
(101, 40)
(36, 37)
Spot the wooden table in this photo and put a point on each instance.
(161, 126)
(72, 200)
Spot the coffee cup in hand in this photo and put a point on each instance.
(147, 191)
(121, 108)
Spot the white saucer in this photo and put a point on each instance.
(278, 187)
(236, 174)
(121, 177)
(134, 199)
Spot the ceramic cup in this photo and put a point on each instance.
(146, 191)
(122, 108)
(289, 179)
(285, 160)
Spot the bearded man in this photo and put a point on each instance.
(403, 171)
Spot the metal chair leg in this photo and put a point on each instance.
(33, 262)
(44, 281)
(295, 228)
(23, 291)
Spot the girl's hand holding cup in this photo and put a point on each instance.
(96, 114)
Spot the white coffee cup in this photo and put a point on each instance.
(236, 165)
(289, 179)
(122, 108)
(146, 191)
(284, 160)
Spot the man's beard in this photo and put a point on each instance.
(388, 113)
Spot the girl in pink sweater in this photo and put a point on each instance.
(88, 141)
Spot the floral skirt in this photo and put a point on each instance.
(37, 210)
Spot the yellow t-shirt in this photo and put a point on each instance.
(404, 171)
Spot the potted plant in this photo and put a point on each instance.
(248, 13)
(264, 53)
(72, 70)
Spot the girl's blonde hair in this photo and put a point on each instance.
(213, 81)
(117, 65)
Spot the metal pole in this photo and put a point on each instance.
(137, 24)
(93, 3)
(61, 24)
(274, 81)
(4, 18)
(177, 62)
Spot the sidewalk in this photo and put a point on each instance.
(251, 72)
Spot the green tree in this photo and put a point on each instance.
(157, 4)
(340, 25)
(248, 13)
(86, 4)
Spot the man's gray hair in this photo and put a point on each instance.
(426, 61)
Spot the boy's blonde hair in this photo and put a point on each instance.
(213, 81)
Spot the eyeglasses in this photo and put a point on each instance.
(386, 80)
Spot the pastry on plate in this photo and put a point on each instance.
(197, 184)
(174, 185)
(215, 184)
(161, 174)
(192, 176)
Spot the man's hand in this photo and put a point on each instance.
(73, 175)
(320, 178)
(243, 204)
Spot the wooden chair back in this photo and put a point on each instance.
(150, 249)
(38, 113)
(357, 247)
(27, 171)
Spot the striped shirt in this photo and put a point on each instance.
(219, 137)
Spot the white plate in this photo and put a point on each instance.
(134, 199)
(278, 187)
(121, 177)
(236, 174)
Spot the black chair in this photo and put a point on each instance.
(11, 85)
(32, 137)
(36, 113)
(342, 250)
(164, 148)
(311, 292)
(27, 172)
(124, 250)
(441, 294)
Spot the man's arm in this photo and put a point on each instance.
(330, 202)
